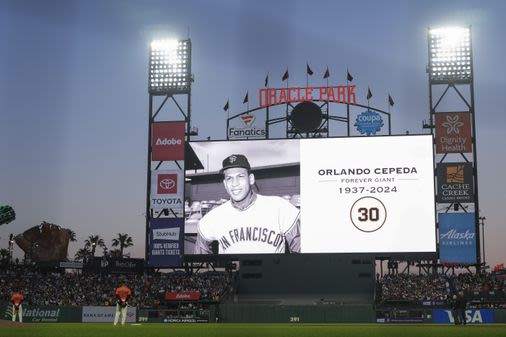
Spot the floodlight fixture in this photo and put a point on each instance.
(170, 67)
(450, 55)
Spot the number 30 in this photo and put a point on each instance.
(368, 214)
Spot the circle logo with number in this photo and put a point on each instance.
(368, 214)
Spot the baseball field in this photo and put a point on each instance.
(248, 330)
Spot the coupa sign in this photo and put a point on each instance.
(369, 122)
(472, 316)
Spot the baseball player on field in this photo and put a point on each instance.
(249, 223)
(123, 293)
(17, 307)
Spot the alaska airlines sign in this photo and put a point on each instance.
(336, 94)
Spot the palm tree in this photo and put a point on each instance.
(82, 254)
(4, 254)
(92, 242)
(72, 235)
(123, 241)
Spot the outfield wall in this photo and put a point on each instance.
(252, 313)
(264, 313)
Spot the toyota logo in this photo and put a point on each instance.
(167, 183)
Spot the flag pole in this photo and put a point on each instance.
(347, 102)
(267, 99)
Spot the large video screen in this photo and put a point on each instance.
(318, 195)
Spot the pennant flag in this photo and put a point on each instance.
(390, 100)
(245, 100)
(369, 93)
(327, 73)
(285, 76)
(266, 80)
(226, 106)
(348, 76)
(309, 70)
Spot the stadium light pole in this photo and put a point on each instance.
(451, 64)
(169, 75)
(482, 221)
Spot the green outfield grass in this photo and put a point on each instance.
(250, 330)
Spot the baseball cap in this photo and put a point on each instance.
(235, 160)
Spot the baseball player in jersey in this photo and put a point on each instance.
(17, 308)
(249, 223)
(123, 293)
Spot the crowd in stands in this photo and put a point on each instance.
(411, 287)
(77, 289)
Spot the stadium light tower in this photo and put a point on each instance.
(451, 67)
(450, 54)
(169, 76)
(169, 67)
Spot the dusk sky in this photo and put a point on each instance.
(74, 100)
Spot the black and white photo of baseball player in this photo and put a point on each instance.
(248, 223)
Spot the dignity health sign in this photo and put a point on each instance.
(457, 238)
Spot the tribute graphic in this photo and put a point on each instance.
(355, 196)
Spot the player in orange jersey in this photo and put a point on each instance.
(123, 293)
(17, 308)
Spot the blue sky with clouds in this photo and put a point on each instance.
(74, 101)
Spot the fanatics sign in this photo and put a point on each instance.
(168, 141)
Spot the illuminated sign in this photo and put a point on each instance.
(354, 195)
(336, 94)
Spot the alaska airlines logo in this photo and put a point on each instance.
(453, 124)
(453, 234)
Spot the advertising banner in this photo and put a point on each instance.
(115, 265)
(454, 182)
(248, 129)
(369, 122)
(182, 296)
(457, 238)
(472, 316)
(166, 242)
(346, 195)
(453, 132)
(97, 314)
(167, 187)
(45, 314)
(168, 140)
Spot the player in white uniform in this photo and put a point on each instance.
(249, 223)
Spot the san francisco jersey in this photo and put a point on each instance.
(260, 228)
(17, 298)
(123, 293)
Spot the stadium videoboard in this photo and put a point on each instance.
(318, 195)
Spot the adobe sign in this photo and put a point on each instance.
(167, 142)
